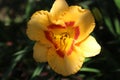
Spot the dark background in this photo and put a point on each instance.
(16, 61)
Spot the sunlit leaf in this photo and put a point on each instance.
(87, 69)
(87, 59)
(37, 71)
(117, 2)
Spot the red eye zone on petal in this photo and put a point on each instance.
(49, 37)
(60, 41)
(76, 28)
(77, 33)
(47, 34)
(53, 26)
(70, 24)
(60, 53)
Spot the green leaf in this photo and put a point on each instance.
(117, 2)
(85, 4)
(18, 57)
(86, 69)
(37, 71)
(28, 8)
(97, 14)
(87, 59)
(109, 25)
(117, 26)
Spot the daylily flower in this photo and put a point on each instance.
(63, 37)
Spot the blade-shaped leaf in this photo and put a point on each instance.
(117, 26)
(18, 57)
(87, 69)
(37, 71)
(117, 2)
(109, 25)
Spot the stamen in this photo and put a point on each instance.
(63, 42)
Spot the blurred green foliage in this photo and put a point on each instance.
(16, 61)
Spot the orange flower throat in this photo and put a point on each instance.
(63, 37)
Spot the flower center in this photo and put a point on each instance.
(62, 38)
(60, 42)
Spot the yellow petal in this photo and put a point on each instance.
(82, 18)
(40, 52)
(58, 6)
(89, 47)
(38, 22)
(67, 65)
(86, 23)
